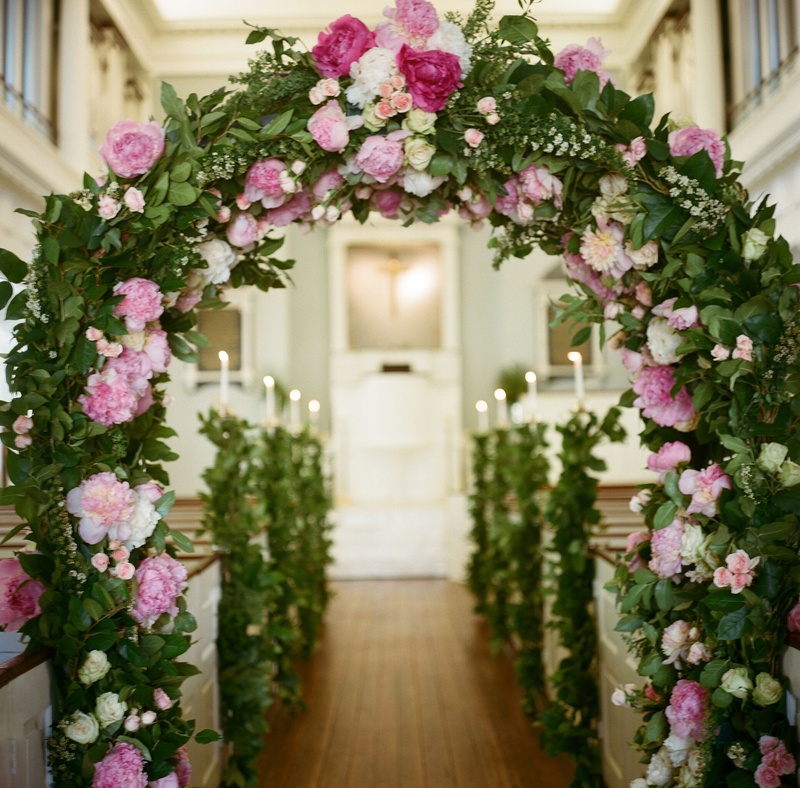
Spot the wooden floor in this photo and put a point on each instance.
(405, 692)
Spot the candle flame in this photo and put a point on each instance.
(575, 357)
(223, 357)
(269, 381)
(530, 377)
(313, 406)
(294, 395)
(499, 395)
(481, 406)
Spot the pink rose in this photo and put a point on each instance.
(329, 128)
(538, 184)
(100, 562)
(705, 487)
(379, 156)
(632, 154)
(688, 710)
(132, 148)
(684, 317)
(668, 458)
(121, 767)
(654, 386)
(473, 137)
(22, 424)
(666, 549)
(19, 595)
(487, 105)
(432, 77)
(575, 58)
(141, 304)
(345, 40)
(263, 182)
(124, 570)
(120, 553)
(722, 577)
(134, 200)
(744, 348)
(690, 140)
(242, 231)
(108, 207)
(402, 102)
(132, 723)
(162, 700)
(93, 334)
(766, 777)
(160, 581)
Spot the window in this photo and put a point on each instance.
(760, 48)
(28, 39)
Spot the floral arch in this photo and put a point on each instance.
(420, 116)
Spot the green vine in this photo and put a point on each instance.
(569, 723)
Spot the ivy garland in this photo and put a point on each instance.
(569, 723)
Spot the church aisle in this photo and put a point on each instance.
(405, 692)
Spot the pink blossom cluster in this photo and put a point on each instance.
(654, 389)
(21, 428)
(705, 487)
(532, 186)
(682, 642)
(121, 767)
(132, 148)
(738, 572)
(19, 595)
(776, 762)
(666, 544)
(687, 711)
(574, 58)
(668, 458)
(160, 580)
(692, 139)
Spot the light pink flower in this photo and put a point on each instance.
(633, 541)
(170, 781)
(102, 502)
(329, 127)
(473, 137)
(402, 102)
(575, 58)
(338, 47)
(720, 353)
(120, 553)
(93, 334)
(654, 386)
(132, 148)
(776, 762)
(666, 549)
(676, 640)
(124, 570)
(793, 621)
(632, 154)
(121, 767)
(134, 200)
(722, 577)
(739, 572)
(698, 652)
(19, 595)
(22, 424)
(412, 21)
(134, 367)
(705, 487)
(290, 211)
(642, 291)
(132, 723)
(326, 184)
(23, 441)
(162, 700)
(160, 581)
(379, 156)
(487, 105)
(149, 490)
(100, 562)
(688, 710)
(108, 207)
(263, 183)
(604, 249)
(684, 317)
(156, 348)
(184, 768)
(691, 139)
(141, 304)
(744, 348)
(668, 458)
(538, 184)
(387, 202)
(242, 231)
(767, 777)
(108, 399)
(431, 77)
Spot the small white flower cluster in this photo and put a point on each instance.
(693, 198)
(32, 295)
(221, 167)
(83, 198)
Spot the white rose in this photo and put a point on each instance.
(767, 690)
(737, 682)
(790, 474)
(659, 770)
(95, 666)
(109, 709)
(419, 152)
(369, 72)
(143, 523)
(613, 185)
(692, 543)
(82, 728)
(372, 120)
(643, 258)
(419, 121)
(663, 341)
(678, 749)
(771, 457)
(421, 184)
(754, 244)
(220, 258)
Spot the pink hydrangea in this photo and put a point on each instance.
(668, 458)
(379, 156)
(263, 182)
(691, 139)
(160, 581)
(102, 502)
(19, 595)
(688, 710)
(121, 767)
(776, 762)
(142, 302)
(705, 487)
(412, 21)
(603, 249)
(337, 48)
(431, 77)
(132, 148)
(575, 58)
(654, 386)
(665, 545)
(738, 572)
(329, 127)
(538, 184)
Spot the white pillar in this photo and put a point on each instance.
(709, 78)
(73, 86)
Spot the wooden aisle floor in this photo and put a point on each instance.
(405, 693)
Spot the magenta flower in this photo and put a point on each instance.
(688, 709)
(691, 139)
(329, 127)
(575, 58)
(665, 545)
(793, 621)
(668, 458)
(132, 148)
(431, 77)
(121, 767)
(379, 156)
(263, 182)
(705, 487)
(345, 40)
(19, 595)
(141, 304)
(160, 581)
(103, 503)
(654, 386)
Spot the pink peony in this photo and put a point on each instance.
(604, 249)
(263, 182)
(687, 710)
(705, 487)
(684, 317)
(337, 48)
(19, 595)
(121, 767)
(381, 157)
(134, 367)
(387, 202)
(241, 232)
(170, 781)
(633, 542)
(132, 148)
(329, 127)
(654, 386)
(579, 271)
(412, 21)
(666, 549)
(160, 580)
(184, 768)
(156, 349)
(575, 58)
(108, 399)
(103, 503)
(668, 458)
(538, 184)
(290, 211)
(326, 184)
(432, 77)
(744, 348)
(691, 139)
(793, 621)
(149, 490)
(141, 304)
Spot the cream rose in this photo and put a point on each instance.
(790, 474)
(82, 728)
(418, 152)
(613, 185)
(737, 682)
(643, 258)
(754, 244)
(419, 121)
(94, 667)
(767, 690)
(109, 709)
(771, 457)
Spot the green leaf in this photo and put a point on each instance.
(517, 29)
(165, 503)
(278, 125)
(207, 736)
(173, 106)
(665, 514)
(733, 626)
(182, 194)
(182, 542)
(12, 267)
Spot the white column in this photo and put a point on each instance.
(73, 86)
(709, 77)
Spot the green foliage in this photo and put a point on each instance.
(267, 506)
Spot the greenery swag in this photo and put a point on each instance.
(414, 118)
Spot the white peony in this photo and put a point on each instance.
(220, 258)
(659, 770)
(421, 184)
(143, 522)
(450, 38)
(613, 185)
(375, 67)
(94, 667)
(693, 544)
(109, 709)
(82, 728)
(663, 341)
(643, 258)
(678, 749)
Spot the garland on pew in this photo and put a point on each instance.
(266, 508)
(569, 723)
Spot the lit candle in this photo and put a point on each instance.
(483, 415)
(502, 408)
(269, 383)
(313, 413)
(224, 374)
(575, 357)
(294, 409)
(530, 379)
